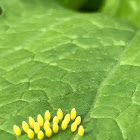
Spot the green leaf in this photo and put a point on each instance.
(53, 58)
(127, 9)
(77, 4)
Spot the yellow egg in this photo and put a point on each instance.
(40, 120)
(47, 115)
(78, 120)
(74, 127)
(60, 114)
(55, 127)
(17, 130)
(30, 133)
(36, 128)
(40, 135)
(48, 132)
(25, 126)
(55, 119)
(31, 122)
(73, 113)
(46, 124)
(64, 124)
(81, 130)
(67, 117)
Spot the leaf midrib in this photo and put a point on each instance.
(105, 80)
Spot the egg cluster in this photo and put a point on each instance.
(43, 125)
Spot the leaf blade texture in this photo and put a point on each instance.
(51, 58)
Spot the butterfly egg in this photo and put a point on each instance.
(30, 133)
(40, 120)
(55, 127)
(73, 113)
(60, 114)
(46, 124)
(48, 132)
(78, 120)
(74, 127)
(31, 122)
(81, 130)
(55, 119)
(25, 126)
(47, 115)
(17, 130)
(64, 124)
(67, 117)
(40, 135)
(36, 127)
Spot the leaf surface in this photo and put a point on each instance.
(127, 9)
(51, 58)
